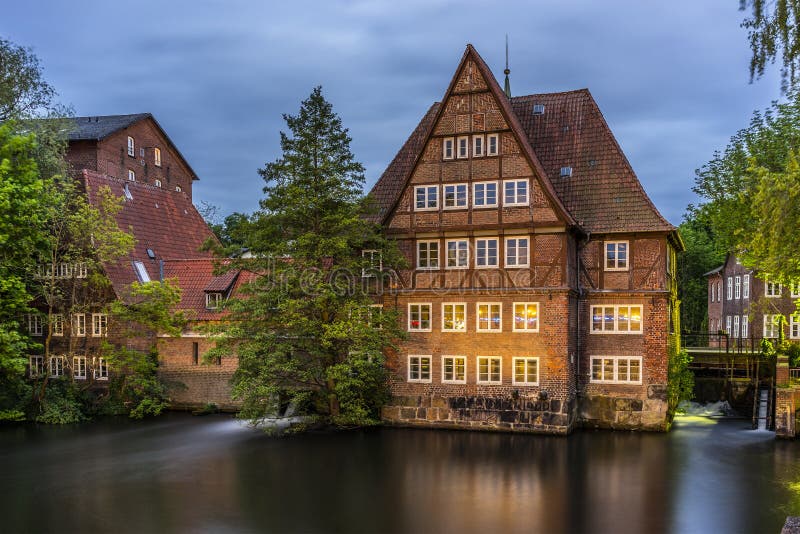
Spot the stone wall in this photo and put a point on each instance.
(629, 412)
(787, 404)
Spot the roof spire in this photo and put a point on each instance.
(507, 87)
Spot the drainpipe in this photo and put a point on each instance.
(161, 271)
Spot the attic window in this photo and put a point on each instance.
(127, 192)
(566, 172)
(151, 254)
(157, 157)
(141, 272)
(213, 300)
(538, 109)
(131, 147)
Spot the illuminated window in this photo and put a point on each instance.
(490, 370)
(427, 255)
(617, 369)
(455, 196)
(454, 369)
(457, 253)
(454, 317)
(131, 147)
(515, 192)
(157, 157)
(484, 194)
(419, 368)
(447, 148)
(526, 317)
(517, 252)
(623, 319)
(489, 317)
(486, 252)
(419, 317)
(426, 197)
(526, 371)
(617, 256)
(79, 367)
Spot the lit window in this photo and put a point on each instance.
(372, 263)
(79, 367)
(157, 157)
(213, 300)
(457, 253)
(490, 317)
(771, 326)
(745, 322)
(36, 366)
(447, 148)
(419, 317)
(454, 317)
(56, 366)
(794, 326)
(484, 194)
(454, 369)
(486, 252)
(737, 287)
(57, 323)
(101, 373)
(624, 319)
(746, 286)
(490, 370)
(477, 146)
(516, 252)
(617, 256)
(526, 371)
(492, 145)
(99, 325)
(463, 147)
(141, 272)
(131, 147)
(34, 324)
(79, 324)
(772, 289)
(426, 197)
(526, 317)
(419, 368)
(427, 255)
(131, 176)
(455, 196)
(515, 192)
(617, 369)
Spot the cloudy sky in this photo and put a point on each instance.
(670, 77)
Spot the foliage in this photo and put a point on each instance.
(302, 328)
(63, 403)
(680, 380)
(773, 33)
(702, 255)
(23, 91)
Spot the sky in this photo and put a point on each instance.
(671, 78)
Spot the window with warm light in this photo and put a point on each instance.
(490, 370)
(454, 317)
(624, 319)
(489, 317)
(157, 157)
(526, 317)
(526, 371)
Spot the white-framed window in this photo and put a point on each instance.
(771, 326)
(517, 252)
(79, 367)
(178, 189)
(737, 287)
(157, 183)
(131, 147)
(454, 369)
(794, 288)
(484, 194)
(131, 176)
(794, 326)
(746, 286)
(101, 372)
(489, 317)
(448, 148)
(719, 290)
(490, 370)
(457, 253)
(617, 319)
(616, 369)
(616, 256)
(736, 326)
(157, 157)
(79, 324)
(492, 144)
(34, 324)
(36, 366)
(462, 147)
(745, 325)
(419, 368)
(515, 192)
(728, 324)
(426, 197)
(455, 196)
(477, 146)
(526, 317)
(372, 261)
(711, 290)
(729, 288)
(454, 317)
(81, 270)
(428, 255)
(99, 325)
(56, 366)
(141, 272)
(772, 289)
(526, 371)
(213, 300)
(57, 323)
(486, 252)
(419, 317)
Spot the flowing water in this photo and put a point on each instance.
(212, 474)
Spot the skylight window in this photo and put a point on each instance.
(141, 272)
(538, 109)
(566, 172)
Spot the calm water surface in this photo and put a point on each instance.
(211, 474)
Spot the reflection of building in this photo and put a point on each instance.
(745, 304)
(542, 278)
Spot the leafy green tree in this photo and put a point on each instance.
(773, 34)
(23, 91)
(702, 255)
(303, 329)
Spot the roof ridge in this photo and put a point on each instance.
(581, 90)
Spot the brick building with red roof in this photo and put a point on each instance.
(541, 292)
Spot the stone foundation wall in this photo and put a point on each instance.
(787, 404)
(199, 387)
(551, 416)
(626, 413)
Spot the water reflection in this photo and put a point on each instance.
(213, 474)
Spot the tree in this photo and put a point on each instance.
(304, 330)
(23, 91)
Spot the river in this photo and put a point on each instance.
(213, 474)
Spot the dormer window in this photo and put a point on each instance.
(213, 300)
(157, 157)
(447, 148)
(131, 147)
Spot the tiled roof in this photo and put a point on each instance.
(97, 128)
(161, 220)
(194, 278)
(602, 195)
